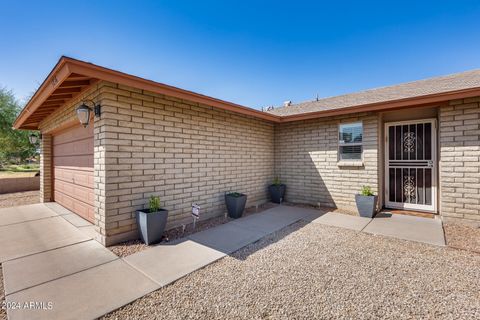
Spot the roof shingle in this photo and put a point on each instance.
(448, 83)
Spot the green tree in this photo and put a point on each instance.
(14, 144)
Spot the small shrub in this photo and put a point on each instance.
(276, 181)
(154, 204)
(27, 166)
(366, 191)
(234, 194)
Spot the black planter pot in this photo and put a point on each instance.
(235, 205)
(366, 205)
(277, 192)
(151, 225)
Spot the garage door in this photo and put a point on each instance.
(73, 170)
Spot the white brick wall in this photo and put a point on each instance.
(180, 151)
(306, 159)
(459, 161)
(46, 168)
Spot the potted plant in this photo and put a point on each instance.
(235, 204)
(366, 202)
(277, 190)
(151, 222)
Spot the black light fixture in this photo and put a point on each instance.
(83, 112)
(33, 138)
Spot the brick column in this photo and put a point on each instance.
(99, 173)
(459, 162)
(46, 169)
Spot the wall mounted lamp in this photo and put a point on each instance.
(83, 112)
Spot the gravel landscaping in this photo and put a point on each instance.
(310, 271)
(462, 237)
(130, 247)
(19, 198)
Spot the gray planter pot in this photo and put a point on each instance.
(151, 225)
(277, 192)
(366, 205)
(235, 205)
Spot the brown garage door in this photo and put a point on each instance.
(73, 170)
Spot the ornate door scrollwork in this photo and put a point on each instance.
(409, 189)
(409, 142)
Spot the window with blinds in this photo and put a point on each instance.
(350, 141)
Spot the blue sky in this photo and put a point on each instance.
(255, 53)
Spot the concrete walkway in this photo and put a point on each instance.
(49, 258)
(169, 262)
(411, 228)
(425, 230)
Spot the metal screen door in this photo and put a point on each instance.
(410, 169)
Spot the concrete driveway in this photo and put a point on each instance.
(33, 229)
(53, 269)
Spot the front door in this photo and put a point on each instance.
(411, 166)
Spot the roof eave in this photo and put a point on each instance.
(110, 75)
(67, 66)
(59, 73)
(427, 100)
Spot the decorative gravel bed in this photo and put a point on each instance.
(3, 312)
(19, 198)
(311, 271)
(130, 247)
(462, 237)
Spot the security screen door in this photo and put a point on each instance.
(410, 169)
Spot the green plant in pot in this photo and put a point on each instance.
(151, 222)
(235, 203)
(366, 202)
(277, 190)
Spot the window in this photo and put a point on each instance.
(350, 141)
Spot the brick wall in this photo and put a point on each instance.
(181, 151)
(46, 168)
(459, 142)
(306, 160)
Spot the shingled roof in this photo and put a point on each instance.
(415, 89)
